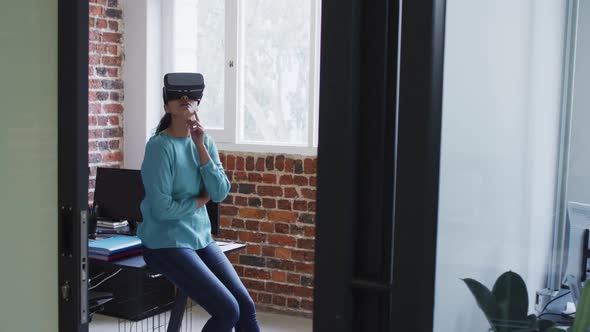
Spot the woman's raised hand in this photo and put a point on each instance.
(197, 130)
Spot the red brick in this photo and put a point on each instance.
(237, 223)
(269, 178)
(302, 255)
(308, 193)
(289, 165)
(254, 177)
(306, 243)
(100, 24)
(92, 121)
(268, 251)
(300, 205)
(240, 163)
(113, 108)
(102, 121)
(274, 287)
(256, 273)
(286, 179)
(293, 278)
(270, 191)
(231, 162)
(313, 181)
(253, 295)
(310, 231)
(297, 230)
(283, 253)
(224, 222)
(112, 37)
(111, 60)
(304, 267)
(266, 227)
(114, 120)
(270, 160)
(284, 204)
(252, 225)
(113, 25)
(281, 240)
(249, 163)
(282, 228)
(303, 291)
(253, 237)
(251, 213)
(260, 164)
(269, 203)
(253, 284)
(94, 10)
(112, 156)
(280, 162)
(298, 166)
(228, 210)
(279, 276)
(241, 200)
(311, 206)
(240, 176)
(310, 166)
(291, 192)
(285, 216)
(253, 249)
(228, 234)
(300, 180)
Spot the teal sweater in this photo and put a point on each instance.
(172, 179)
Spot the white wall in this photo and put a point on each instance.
(141, 72)
(579, 171)
(501, 104)
(28, 165)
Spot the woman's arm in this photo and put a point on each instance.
(157, 176)
(216, 182)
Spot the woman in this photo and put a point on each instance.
(181, 171)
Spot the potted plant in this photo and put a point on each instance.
(506, 305)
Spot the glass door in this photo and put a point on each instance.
(513, 189)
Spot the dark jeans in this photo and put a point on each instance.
(207, 277)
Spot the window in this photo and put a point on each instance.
(260, 60)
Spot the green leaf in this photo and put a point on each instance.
(484, 298)
(511, 297)
(582, 320)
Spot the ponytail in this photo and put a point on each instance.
(164, 123)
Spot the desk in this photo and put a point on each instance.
(137, 264)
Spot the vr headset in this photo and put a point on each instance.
(177, 85)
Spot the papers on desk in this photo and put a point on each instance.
(113, 245)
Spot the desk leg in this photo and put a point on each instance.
(177, 311)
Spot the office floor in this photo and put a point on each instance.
(269, 322)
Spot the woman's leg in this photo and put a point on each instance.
(184, 268)
(216, 260)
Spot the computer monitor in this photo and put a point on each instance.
(578, 228)
(118, 193)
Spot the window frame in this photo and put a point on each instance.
(228, 138)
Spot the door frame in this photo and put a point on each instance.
(352, 292)
(72, 288)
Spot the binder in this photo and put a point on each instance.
(113, 245)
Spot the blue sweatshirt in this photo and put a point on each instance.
(172, 179)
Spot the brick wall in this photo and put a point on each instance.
(271, 207)
(105, 97)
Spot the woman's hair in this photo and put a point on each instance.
(164, 123)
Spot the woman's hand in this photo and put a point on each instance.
(197, 130)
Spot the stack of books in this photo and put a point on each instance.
(111, 224)
(113, 248)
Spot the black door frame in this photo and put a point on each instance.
(361, 89)
(378, 164)
(72, 165)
